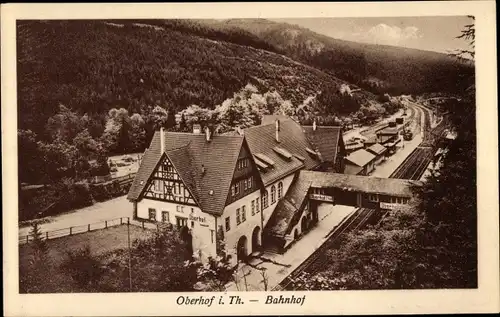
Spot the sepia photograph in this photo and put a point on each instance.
(281, 155)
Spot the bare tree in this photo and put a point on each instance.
(265, 278)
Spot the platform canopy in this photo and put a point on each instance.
(364, 184)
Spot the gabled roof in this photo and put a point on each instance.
(261, 140)
(188, 152)
(354, 146)
(360, 157)
(271, 118)
(326, 139)
(377, 149)
(288, 211)
(389, 131)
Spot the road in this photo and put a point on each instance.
(110, 209)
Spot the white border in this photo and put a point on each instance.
(484, 299)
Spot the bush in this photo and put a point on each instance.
(85, 269)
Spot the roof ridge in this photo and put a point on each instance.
(202, 134)
(179, 147)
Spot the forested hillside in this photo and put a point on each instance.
(93, 66)
(379, 68)
(90, 89)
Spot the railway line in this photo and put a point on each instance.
(413, 167)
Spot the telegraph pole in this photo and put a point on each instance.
(129, 256)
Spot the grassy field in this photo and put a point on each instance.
(54, 279)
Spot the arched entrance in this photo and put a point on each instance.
(242, 249)
(256, 242)
(303, 225)
(187, 238)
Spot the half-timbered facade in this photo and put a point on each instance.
(204, 184)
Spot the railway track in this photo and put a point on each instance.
(413, 167)
(318, 259)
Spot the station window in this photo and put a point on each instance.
(253, 207)
(273, 194)
(152, 214)
(373, 197)
(228, 223)
(165, 217)
(238, 220)
(257, 205)
(243, 214)
(280, 190)
(265, 203)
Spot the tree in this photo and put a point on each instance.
(468, 34)
(86, 146)
(449, 202)
(85, 268)
(32, 277)
(160, 263)
(38, 244)
(170, 122)
(217, 271)
(158, 117)
(29, 159)
(57, 160)
(101, 167)
(65, 125)
(195, 114)
(137, 133)
(116, 133)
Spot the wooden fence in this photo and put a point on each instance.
(47, 235)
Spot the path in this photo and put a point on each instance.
(110, 209)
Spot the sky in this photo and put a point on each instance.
(425, 33)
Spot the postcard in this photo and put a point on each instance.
(250, 158)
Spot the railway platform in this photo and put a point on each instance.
(279, 266)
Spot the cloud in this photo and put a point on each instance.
(383, 34)
(392, 35)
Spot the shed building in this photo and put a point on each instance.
(360, 162)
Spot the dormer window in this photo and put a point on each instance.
(235, 189)
(242, 163)
(311, 152)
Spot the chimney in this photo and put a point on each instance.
(240, 131)
(314, 125)
(196, 128)
(162, 140)
(207, 134)
(277, 130)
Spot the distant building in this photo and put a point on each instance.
(360, 162)
(353, 146)
(388, 135)
(379, 151)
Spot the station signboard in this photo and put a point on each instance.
(389, 206)
(321, 197)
